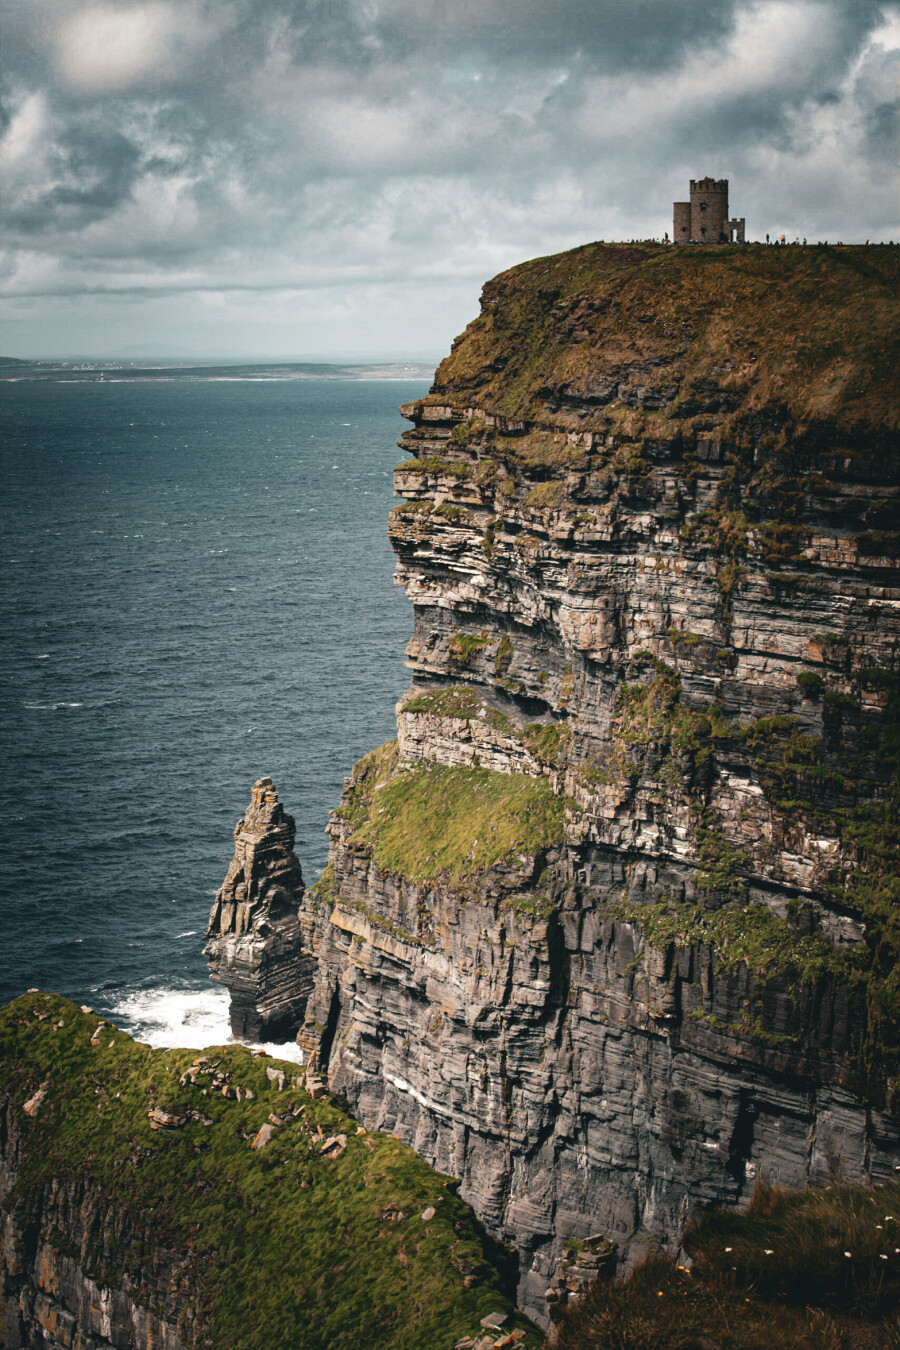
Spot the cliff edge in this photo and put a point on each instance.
(610, 930)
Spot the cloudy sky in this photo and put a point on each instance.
(338, 177)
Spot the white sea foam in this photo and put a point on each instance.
(50, 707)
(192, 1018)
(189, 1019)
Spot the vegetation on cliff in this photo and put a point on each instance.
(433, 820)
(809, 330)
(327, 1235)
(814, 1270)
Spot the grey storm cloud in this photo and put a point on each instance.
(345, 150)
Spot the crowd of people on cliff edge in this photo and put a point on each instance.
(779, 241)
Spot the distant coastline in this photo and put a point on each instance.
(117, 372)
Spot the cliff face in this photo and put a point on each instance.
(610, 929)
(254, 946)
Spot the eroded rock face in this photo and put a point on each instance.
(653, 555)
(254, 946)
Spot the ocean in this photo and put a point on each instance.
(197, 591)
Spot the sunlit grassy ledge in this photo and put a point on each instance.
(283, 1246)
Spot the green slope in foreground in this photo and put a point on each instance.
(284, 1246)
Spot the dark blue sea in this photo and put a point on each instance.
(197, 590)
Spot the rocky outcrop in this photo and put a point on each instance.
(254, 935)
(607, 933)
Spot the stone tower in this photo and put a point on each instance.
(704, 219)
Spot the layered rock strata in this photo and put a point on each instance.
(254, 947)
(609, 932)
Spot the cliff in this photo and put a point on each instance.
(169, 1201)
(610, 930)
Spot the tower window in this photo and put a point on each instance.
(703, 206)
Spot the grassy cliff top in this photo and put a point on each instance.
(286, 1245)
(810, 331)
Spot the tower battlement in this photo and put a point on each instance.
(704, 219)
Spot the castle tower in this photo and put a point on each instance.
(704, 219)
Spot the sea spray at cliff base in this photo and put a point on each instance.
(190, 1018)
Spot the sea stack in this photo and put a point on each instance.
(254, 946)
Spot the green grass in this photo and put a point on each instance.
(463, 646)
(434, 821)
(283, 1247)
(777, 1276)
(457, 701)
(739, 933)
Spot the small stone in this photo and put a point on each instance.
(494, 1320)
(248, 1094)
(263, 1136)
(33, 1105)
(275, 1076)
(334, 1147)
(260, 1054)
(160, 1119)
(86, 1010)
(427, 1215)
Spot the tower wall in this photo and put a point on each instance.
(681, 228)
(709, 210)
